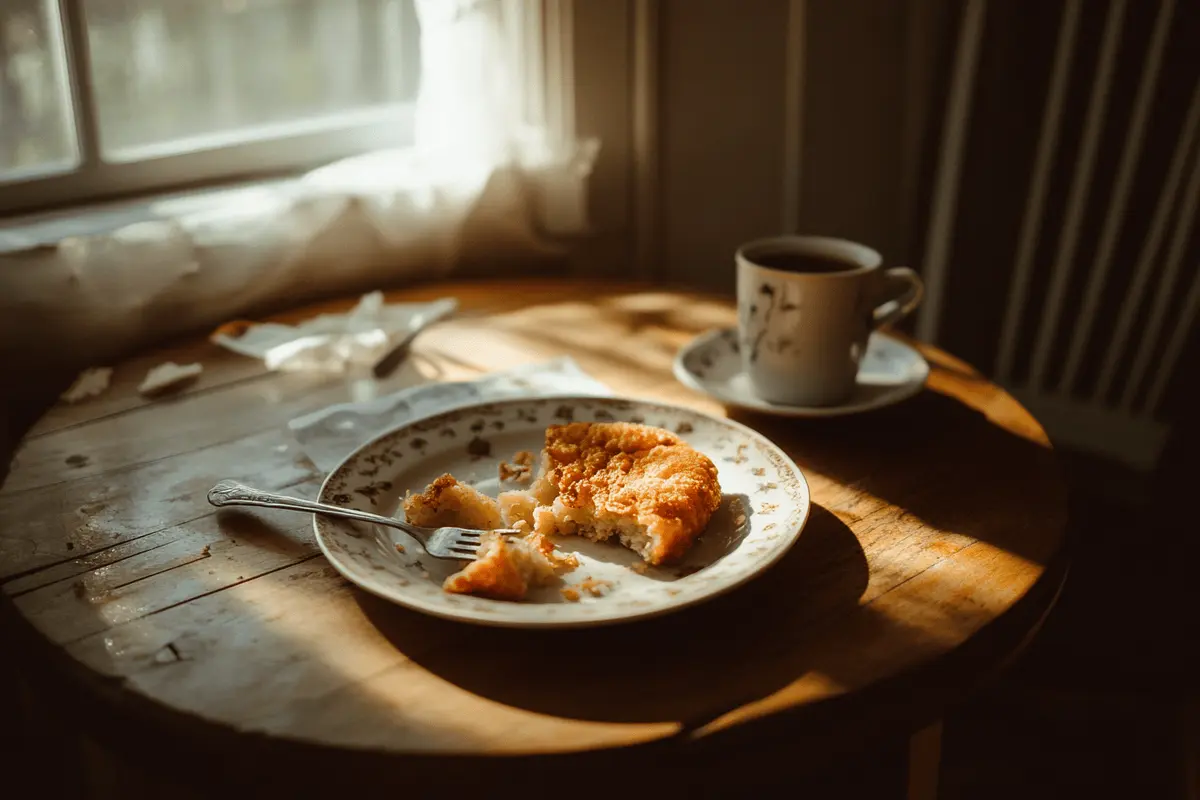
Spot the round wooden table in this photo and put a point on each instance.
(211, 644)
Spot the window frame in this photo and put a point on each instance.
(223, 158)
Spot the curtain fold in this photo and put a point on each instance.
(478, 182)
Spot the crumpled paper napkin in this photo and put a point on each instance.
(329, 435)
(333, 342)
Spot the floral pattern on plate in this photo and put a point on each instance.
(764, 507)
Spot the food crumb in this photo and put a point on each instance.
(89, 383)
(639, 567)
(594, 586)
(570, 593)
(520, 470)
(399, 547)
(207, 551)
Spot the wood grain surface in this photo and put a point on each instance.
(933, 525)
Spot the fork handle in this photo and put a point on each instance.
(232, 493)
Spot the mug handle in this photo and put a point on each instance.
(902, 290)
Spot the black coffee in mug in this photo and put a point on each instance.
(806, 307)
(804, 262)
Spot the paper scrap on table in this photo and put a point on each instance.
(89, 383)
(329, 435)
(167, 377)
(333, 342)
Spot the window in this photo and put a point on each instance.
(101, 98)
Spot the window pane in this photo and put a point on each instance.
(168, 71)
(35, 118)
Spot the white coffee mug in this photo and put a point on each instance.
(806, 305)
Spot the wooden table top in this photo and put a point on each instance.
(934, 522)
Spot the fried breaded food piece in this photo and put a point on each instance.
(639, 483)
(446, 502)
(507, 567)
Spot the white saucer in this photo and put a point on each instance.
(890, 371)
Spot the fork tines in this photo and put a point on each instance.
(463, 549)
(465, 541)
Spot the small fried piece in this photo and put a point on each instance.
(446, 502)
(508, 567)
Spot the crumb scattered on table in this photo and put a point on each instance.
(570, 593)
(207, 551)
(639, 567)
(89, 383)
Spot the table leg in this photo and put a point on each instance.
(924, 762)
(1191, 743)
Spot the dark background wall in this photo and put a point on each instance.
(871, 84)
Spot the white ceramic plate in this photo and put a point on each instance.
(764, 508)
(890, 371)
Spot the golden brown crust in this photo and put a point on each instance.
(507, 567)
(494, 574)
(635, 472)
(448, 502)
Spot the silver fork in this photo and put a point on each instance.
(455, 543)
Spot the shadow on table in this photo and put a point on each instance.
(689, 667)
(932, 457)
(939, 460)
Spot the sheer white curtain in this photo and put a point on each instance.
(479, 178)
